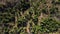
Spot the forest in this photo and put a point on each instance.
(29, 16)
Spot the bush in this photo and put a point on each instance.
(49, 25)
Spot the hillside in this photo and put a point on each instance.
(29, 16)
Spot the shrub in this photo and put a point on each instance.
(49, 25)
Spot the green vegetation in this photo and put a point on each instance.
(29, 17)
(49, 25)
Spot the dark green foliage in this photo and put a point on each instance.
(58, 0)
(28, 17)
(53, 10)
(35, 20)
(22, 5)
(44, 10)
(14, 19)
(49, 25)
(6, 33)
